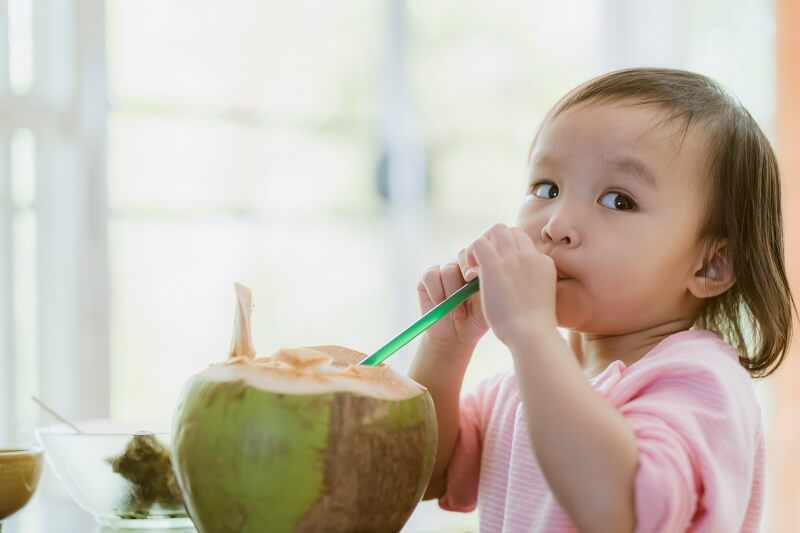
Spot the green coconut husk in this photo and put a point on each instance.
(303, 440)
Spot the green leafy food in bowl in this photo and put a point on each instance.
(146, 465)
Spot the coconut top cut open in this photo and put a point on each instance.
(304, 370)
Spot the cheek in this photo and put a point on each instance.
(523, 214)
(637, 273)
(530, 220)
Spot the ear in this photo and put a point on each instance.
(713, 273)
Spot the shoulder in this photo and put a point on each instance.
(695, 370)
(696, 356)
(697, 422)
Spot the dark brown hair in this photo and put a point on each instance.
(744, 204)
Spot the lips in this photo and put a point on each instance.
(560, 275)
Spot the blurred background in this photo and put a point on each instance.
(324, 153)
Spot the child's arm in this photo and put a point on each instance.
(443, 356)
(585, 448)
(441, 370)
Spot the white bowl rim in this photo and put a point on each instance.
(13, 452)
(71, 433)
(67, 431)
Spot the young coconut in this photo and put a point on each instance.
(303, 440)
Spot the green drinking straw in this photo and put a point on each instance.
(426, 321)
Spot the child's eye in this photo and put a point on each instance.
(544, 190)
(616, 200)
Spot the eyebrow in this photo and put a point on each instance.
(629, 165)
(632, 166)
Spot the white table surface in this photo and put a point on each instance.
(52, 511)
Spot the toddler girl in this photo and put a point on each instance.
(651, 231)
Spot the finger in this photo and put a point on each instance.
(485, 253)
(472, 263)
(461, 258)
(469, 273)
(425, 302)
(500, 235)
(432, 281)
(522, 240)
(452, 280)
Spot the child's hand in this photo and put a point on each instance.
(465, 324)
(518, 283)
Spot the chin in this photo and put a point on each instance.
(569, 314)
(565, 319)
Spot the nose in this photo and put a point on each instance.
(560, 230)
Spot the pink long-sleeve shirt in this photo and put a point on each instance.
(698, 427)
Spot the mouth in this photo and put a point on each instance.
(560, 276)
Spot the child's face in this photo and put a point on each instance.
(620, 269)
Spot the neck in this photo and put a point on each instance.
(595, 351)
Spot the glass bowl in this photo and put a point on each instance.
(117, 472)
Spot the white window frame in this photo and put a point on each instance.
(65, 109)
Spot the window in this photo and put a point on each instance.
(54, 318)
(152, 153)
